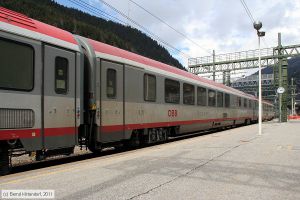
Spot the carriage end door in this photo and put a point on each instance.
(59, 98)
(112, 101)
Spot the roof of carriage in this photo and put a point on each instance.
(12, 21)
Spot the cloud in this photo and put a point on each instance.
(214, 24)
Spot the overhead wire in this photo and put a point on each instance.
(251, 18)
(98, 12)
(144, 28)
(247, 10)
(162, 21)
(88, 7)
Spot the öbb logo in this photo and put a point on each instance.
(172, 113)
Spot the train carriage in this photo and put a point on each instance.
(59, 90)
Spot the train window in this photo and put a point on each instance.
(188, 94)
(111, 83)
(239, 101)
(227, 100)
(250, 103)
(219, 99)
(211, 98)
(245, 103)
(149, 87)
(172, 91)
(201, 96)
(233, 101)
(61, 75)
(16, 66)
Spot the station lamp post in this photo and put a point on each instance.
(257, 26)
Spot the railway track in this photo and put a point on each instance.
(79, 155)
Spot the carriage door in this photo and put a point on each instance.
(112, 101)
(59, 98)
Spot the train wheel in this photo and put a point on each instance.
(4, 160)
(95, 150)
(94, 146)
(247, 122)
(134, 141)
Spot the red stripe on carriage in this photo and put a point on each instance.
(60, 131)
(31, 133)
(115, 128)
(16, 134)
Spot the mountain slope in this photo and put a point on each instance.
(293, 72)
(78, 22)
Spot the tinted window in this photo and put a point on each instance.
(234, 101)
(239, 101)
(188, 94)
(111, 82)
(61, 75)
(16, 66)
(149, 87)
(219, 99)
(172, 91)
(245, 103)
(201, 96)
(211, 98)
(227, 100)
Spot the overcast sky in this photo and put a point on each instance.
(222, 25)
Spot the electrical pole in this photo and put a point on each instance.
(293, 97)
(214, 60)
(257, 26)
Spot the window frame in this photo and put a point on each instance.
(183, 93)
(33, 65)
(177, 102)
(206, 96)
(250, 103)
(239, 101)
(155, 97)
(245, 103)
(215, 97)
(115, 84)
(59, 90)
(228, 102)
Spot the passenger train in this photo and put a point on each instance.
(59, 90)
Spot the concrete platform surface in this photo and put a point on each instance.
(233, 164)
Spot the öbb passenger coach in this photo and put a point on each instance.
(59, 90)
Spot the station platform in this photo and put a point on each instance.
(232, 164)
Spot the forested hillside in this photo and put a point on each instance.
(293, 72)
(78, 22)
